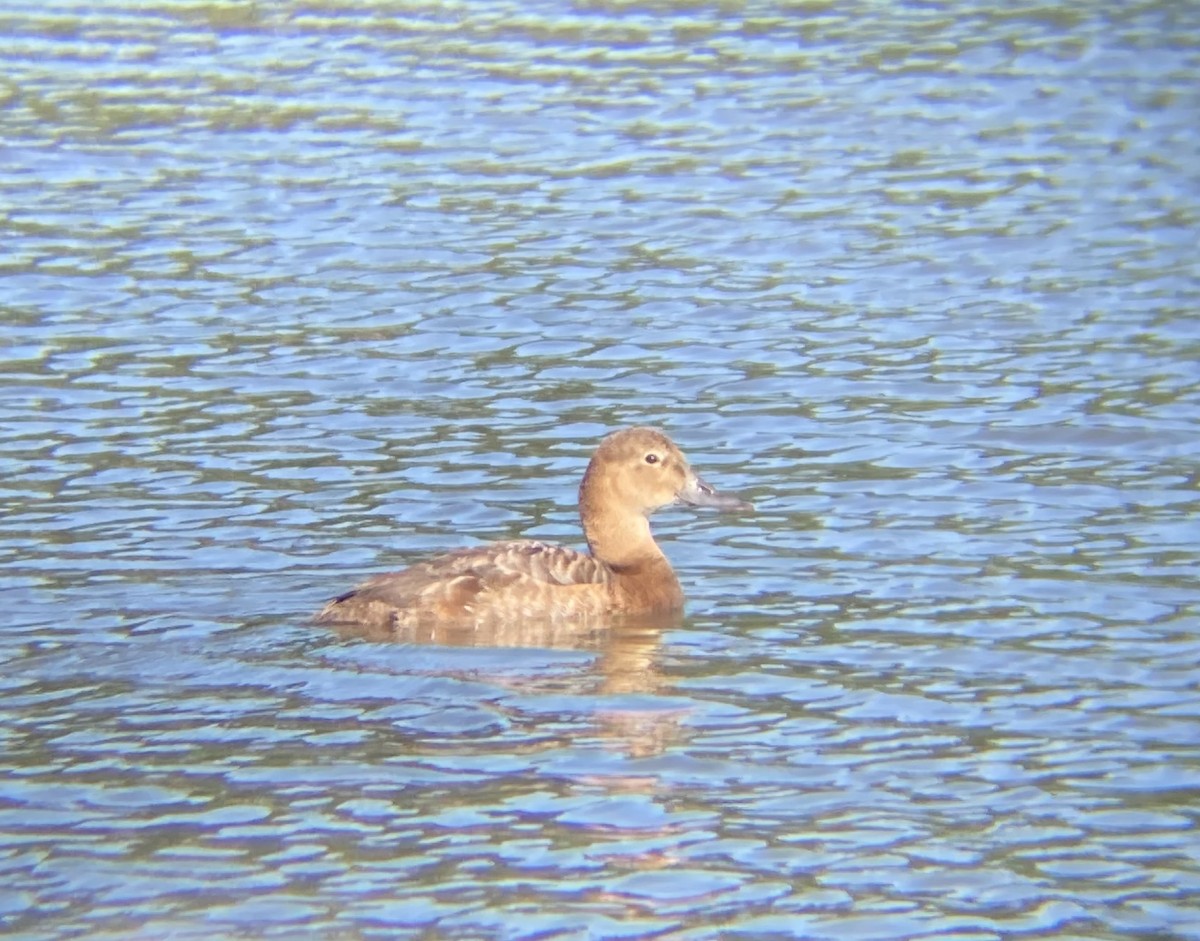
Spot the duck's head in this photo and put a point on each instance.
(641, 470)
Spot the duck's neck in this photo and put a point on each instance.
(616, 536)
(624, 543)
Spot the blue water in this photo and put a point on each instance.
(297, 294)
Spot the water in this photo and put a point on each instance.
(293, 293)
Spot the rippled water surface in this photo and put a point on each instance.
(294, 292)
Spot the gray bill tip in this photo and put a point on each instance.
(698, 492)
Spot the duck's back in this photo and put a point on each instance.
(483, 584)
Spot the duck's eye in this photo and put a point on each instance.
(651, 458)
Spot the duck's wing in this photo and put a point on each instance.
(506, 579)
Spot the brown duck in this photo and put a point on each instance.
(632, 473)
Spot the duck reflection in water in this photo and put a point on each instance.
(529, 593)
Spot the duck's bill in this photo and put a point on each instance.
(697, 492)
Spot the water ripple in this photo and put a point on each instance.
(294, 293)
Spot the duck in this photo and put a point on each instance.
(632, 473)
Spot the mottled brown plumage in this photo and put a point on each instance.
(632, 473)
